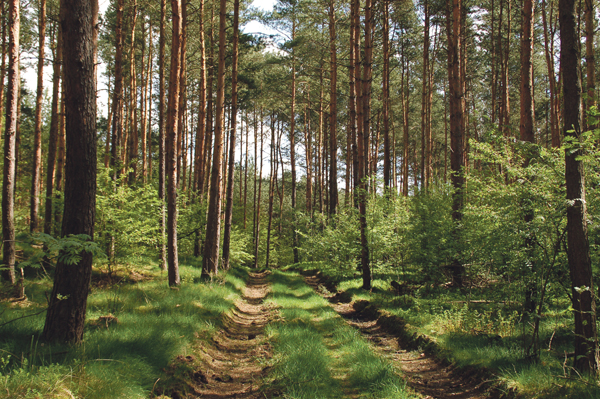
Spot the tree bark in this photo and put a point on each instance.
(199, 159)
(454, 8)
(578, 251)
(53, 139)
(210, 261)
(162, 172)
(387, 161)
(36, 176)
(117, 102)
(363, 142)
(590, 62)
(526, 125)
(133, 144)
(257, 201)
(172, 126)
(66, 311)
(10, 132)
(333, 190)
(232, 134)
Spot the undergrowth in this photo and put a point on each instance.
(494, 335)
(119, 358)
(317, 355)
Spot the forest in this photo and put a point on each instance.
(299, 199)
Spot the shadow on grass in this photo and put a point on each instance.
(118, 359)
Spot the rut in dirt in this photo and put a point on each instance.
(232, 366)
(425, 374)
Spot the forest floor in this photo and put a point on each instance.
(233, 363)
(425, 374)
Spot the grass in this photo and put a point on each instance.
(123, 360)
(490, 335)
(317, 355)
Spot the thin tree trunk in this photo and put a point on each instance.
(36, 176)
(3, 62)
(162, 160)
(53, 139)
(65, 318)
(308, 151)
(590, 62)
(271, 188)
(232, 134)
(172, 126)
(425, 138)
(210, 261)
(333, 190)
(117, 102)
(199, 166)
(10, 132)
(246, 169)
(181, 150)
(549, 53)
(387, 172)
(526, 125)
(209, 107)
(363, 145)
(133, 143)
(295, 242)
(257, 201)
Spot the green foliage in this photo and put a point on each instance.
(127, 219)
(68, 250)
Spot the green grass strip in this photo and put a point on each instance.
(155, 324)
(317, 355)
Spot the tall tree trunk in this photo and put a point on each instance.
(333, 190)
(590, 62)
(36, 176)
(424, 97)
(146, 106)
(320, 145)
(210, 261)
(10, 132)
(308, 151)
(271, 187)
(209, 106)
(363, 142)
(172, 126)
(4, 20)
(578, 251)
(232, 134)
(199, 166)
(181, 112)
(405, 120)
(132, 156)
(526, 133)
(201, 131)
(454, 10)
(257, 201)
(387, 164)
(162, 160)
(53, 139)
(295, 239)
(117, 102)
(65, 318)
(549, 53)
(246, 169)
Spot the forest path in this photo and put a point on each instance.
(424, 373)
(232, 361)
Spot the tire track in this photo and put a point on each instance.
(425, 373)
